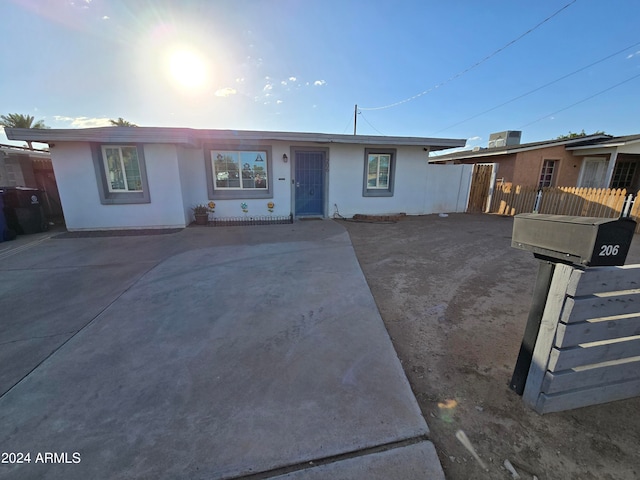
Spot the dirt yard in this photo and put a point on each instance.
(455, 298)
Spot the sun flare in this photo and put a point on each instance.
(187, 68)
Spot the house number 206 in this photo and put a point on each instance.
(608, 250)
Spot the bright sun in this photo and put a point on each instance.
(187, 68)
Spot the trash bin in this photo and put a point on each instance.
(3, 222)
(23, 210)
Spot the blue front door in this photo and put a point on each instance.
(309, 183)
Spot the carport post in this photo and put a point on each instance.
(540, 293)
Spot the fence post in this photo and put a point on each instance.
(628, 203)
(536, 205)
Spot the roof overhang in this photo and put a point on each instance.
(524, 147)
(31, 152)
(604, 147)
(196, 137)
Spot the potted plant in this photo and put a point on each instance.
(201, 213)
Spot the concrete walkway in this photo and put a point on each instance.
(210, 353)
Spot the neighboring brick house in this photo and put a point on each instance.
(588, 161)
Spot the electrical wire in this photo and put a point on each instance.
(582, 101)
(363, 117)
(457, 75)
(538, 88)
(349, 124)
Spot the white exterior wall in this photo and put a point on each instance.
(193, 180)
(77, 183)
(177, 181)
(419, 188)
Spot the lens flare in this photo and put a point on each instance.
(187, 68)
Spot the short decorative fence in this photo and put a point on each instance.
(250, 220)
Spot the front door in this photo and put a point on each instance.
(309, 183)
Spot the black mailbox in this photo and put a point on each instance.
(586, 241)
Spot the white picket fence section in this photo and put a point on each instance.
(588, 346)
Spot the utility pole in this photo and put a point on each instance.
(355, 119)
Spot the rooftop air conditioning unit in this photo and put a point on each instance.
(504, 139)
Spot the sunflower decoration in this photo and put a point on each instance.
(212, 206)
(270, 206)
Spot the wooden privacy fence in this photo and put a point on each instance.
(588, 346)
(582, 202)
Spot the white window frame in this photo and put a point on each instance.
(378, 190)
(228, 193)
(122, 168)
(109, 195)
(600, 163)
(379, 157)
(257, 153)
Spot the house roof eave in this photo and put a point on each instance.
(609, 145)
(195, 137)
(524, 147)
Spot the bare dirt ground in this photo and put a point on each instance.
(455, 298)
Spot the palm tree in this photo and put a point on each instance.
(17, 120)
(121, 122)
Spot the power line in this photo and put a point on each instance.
(348, 124)
(538, 88)
(364, 118)
(583, 100)
(457, 75)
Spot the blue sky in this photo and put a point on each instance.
(302, 65)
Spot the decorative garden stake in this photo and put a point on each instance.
(244, 207)
(270, 206)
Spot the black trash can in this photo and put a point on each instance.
(4, 231)
(23, 210)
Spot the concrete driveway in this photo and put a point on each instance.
(212, 353)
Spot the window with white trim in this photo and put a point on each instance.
(122, 168)
(120, 173)
(238, 171)
(379, 169)
(243, 170)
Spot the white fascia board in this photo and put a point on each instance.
(580, 151)
(603, 146)
(444, 158)
(193, 137)
(524, 148)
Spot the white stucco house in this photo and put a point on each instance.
(149, 177)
